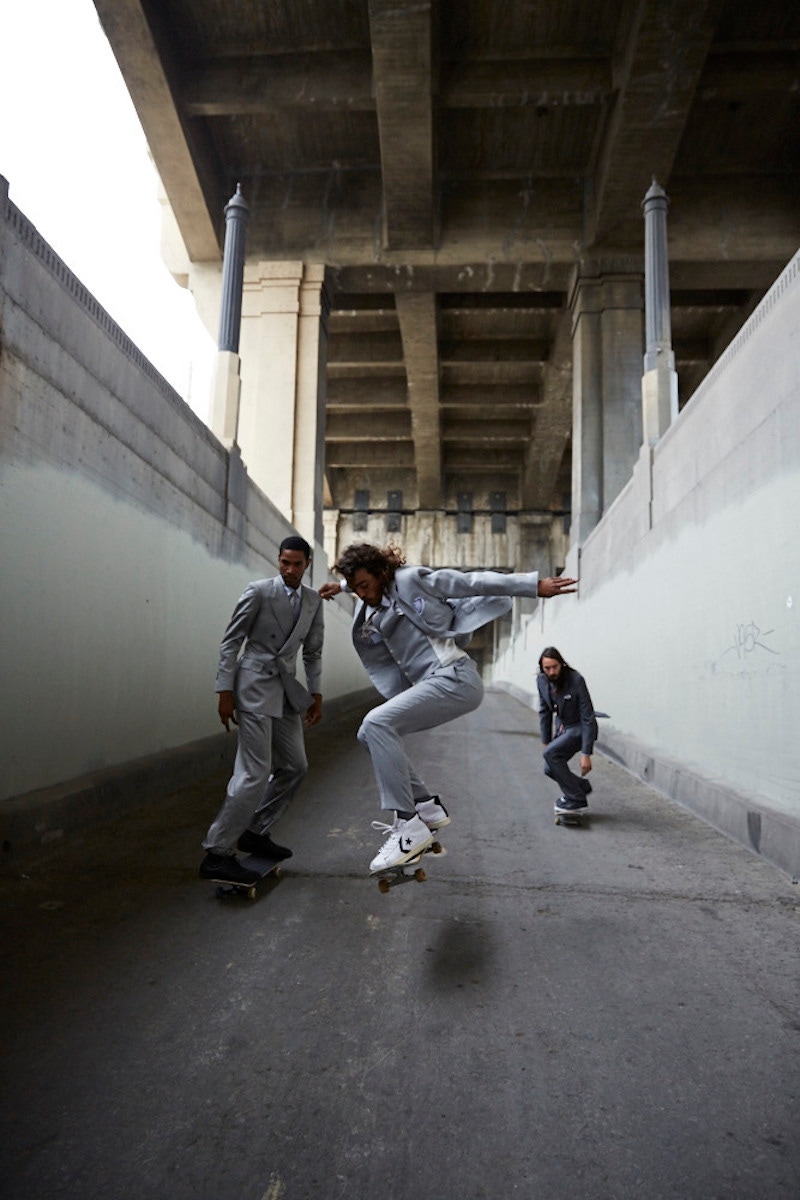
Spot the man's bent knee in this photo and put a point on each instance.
(370, 725)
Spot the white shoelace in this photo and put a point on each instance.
(387, 830)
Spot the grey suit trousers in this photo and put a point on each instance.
(270, 764)
(556, 756)
(446, 694)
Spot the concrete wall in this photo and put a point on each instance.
(432, 538)
(687, 625)
(127, 534)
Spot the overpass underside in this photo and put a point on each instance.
(440, 196)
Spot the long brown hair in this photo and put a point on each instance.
(551, 652)
(382, 563)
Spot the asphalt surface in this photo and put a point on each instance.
(607, 1012)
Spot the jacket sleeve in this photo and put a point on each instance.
(447, 584)
(312, 650)
(588, 722)
(545, 712)
(239, 626)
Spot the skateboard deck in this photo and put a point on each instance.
(390, 877)
(264, 867)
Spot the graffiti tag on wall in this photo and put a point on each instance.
(748, 639)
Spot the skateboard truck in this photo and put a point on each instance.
(405, 872)
(263, 867)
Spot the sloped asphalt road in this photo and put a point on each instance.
(600, 1014)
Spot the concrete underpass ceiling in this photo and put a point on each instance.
(452, 164)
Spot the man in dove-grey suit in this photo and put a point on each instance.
(409, 632)
(259, 691)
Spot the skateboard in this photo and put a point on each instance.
(264, 867)
(390, 877)
(576, 817)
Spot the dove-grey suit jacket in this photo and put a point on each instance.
(264, 680)
(441, 603)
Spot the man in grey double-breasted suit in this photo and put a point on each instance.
(259, 691)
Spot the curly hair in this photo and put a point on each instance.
(382, 563)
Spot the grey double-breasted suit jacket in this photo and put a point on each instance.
(440, 604)
(264, 679)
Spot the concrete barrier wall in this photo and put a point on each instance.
(687, 625)
(128, 532)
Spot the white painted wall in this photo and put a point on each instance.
(126, 535)
(687, 625)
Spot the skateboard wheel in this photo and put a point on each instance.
(420, 875)
(436, 847)
(383, 886)
(251, 893)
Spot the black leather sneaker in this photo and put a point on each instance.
(226, 868)
(262, 845)
(563, 805)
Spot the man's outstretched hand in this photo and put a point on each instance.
(557, 586)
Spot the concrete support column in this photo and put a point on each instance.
(535, 543)
(587, 411)
(535, 554)
(660, 380)
(281, 422)
(309, 440)
(607, 416)
(330, 524)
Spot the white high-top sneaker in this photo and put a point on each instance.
(404, 841)
(433, 812)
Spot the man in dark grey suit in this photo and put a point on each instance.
(567, 723)
(260, 693)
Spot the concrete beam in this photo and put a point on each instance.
(369, 454)
(402, 54)
(354, 426)
(659, 70)
(184, 159)
(510, 399)
(374, 391)
(533, 82)
(494, 431)
(491, 374)
(418, 326)
(366, 370)
(474, 276)
(482, 459)
(323, 82)
(551, 433)
(490, 350)
(368, 347)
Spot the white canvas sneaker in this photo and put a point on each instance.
(433, 813)
(404, 841)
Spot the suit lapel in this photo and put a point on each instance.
(295, 630)
(281, 607)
